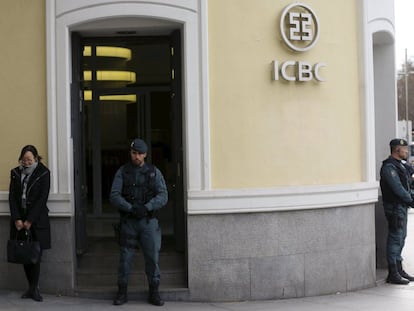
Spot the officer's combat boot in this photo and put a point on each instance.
(404, 274)
(394, 277)
(122, 295)
(154, 296)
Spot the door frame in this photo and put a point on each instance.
(64, 18)
(176, 128)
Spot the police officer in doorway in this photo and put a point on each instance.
(138, 191)
(395, 184)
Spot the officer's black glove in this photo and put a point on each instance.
(411, 204)
(139, 210)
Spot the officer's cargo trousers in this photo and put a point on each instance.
(145, 234)
(397, 231)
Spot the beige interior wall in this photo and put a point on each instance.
(268, 133)
(23, 108)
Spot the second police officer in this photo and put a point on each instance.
(138, 191)
(396, 180)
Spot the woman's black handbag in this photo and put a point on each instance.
(23, 251)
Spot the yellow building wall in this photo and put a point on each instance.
(268, 133)
(23, 108)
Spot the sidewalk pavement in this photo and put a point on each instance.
(382, 297)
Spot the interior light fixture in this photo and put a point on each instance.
(111, 75)
(87, 95)
(108, 51)
(130, 98)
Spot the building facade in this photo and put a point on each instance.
(268, 119)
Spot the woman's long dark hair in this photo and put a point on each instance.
(33, 150)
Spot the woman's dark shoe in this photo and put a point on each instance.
(35, 295)
(27, 294)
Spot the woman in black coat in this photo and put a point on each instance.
(28, 194)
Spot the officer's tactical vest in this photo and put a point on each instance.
(129, 184)
(387, 193)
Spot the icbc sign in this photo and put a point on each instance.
(299, 27)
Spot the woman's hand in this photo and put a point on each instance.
(27, 225)
(19, 224)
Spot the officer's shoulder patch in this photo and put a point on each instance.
(394, 173)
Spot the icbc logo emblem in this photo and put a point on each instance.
(299, 27)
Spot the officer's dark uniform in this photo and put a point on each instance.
(396, 194)
(135, 188)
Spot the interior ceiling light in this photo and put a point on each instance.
(108, 51)
(111, 75)
(130, 98)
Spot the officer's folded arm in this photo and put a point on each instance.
(393, 180)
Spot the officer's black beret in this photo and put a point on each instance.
(139, 145)
(398, 142)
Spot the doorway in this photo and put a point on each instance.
(125, 87)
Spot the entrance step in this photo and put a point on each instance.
(134, 293)
(97, 271)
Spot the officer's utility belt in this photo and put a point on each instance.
(396, 203)
(125, 215)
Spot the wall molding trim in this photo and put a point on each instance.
(281, 199)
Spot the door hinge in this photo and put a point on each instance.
(80, 101)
